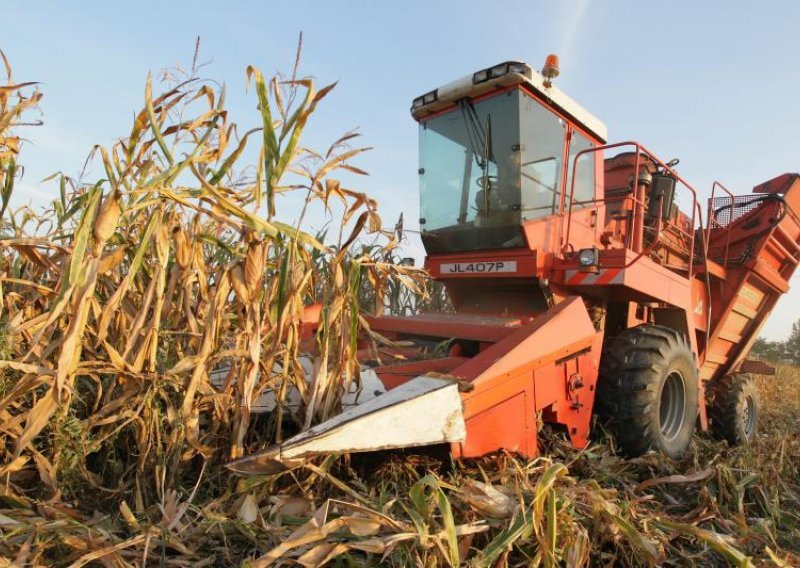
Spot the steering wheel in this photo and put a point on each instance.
(486, 182)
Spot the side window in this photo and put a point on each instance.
(540, 185)
(540, 157)
(584, 170)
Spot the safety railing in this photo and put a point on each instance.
(713, 220)
(635, 237)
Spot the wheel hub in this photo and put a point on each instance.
(749, 416)
(672, 405)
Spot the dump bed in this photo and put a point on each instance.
(752, 250)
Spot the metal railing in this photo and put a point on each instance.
(635, 237)
(712, 221)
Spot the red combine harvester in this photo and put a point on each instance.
(579, 287)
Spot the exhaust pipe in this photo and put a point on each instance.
(424, 411)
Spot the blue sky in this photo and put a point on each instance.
(713, 83)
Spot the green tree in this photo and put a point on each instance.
(792, 345)
(779, 351)
(772, 351)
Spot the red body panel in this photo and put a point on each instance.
(549, 364)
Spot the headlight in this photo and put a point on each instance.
(498, 70)
(431, 97)
(589, 258)
(425, 99)
(480, 76)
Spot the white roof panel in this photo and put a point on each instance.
(525, 75)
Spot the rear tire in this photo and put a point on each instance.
(735, 409)
(648, 390)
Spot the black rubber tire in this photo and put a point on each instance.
(648, 390)
(735, 408)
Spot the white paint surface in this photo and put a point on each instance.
(424, 411)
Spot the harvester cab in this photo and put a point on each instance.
(579, 288)
(497, 157)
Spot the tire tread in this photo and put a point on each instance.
(724, 412)
(631, 371)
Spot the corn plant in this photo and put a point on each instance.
(131, 289)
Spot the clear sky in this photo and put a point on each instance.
(713, 83)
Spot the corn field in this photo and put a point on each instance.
(120, 300)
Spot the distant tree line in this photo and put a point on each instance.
(780, 351)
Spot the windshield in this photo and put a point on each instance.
(485, 168)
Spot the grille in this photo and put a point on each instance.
(727, 210)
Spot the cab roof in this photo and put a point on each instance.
(500, 76)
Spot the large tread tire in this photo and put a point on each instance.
(648, 390)
(735, 408)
